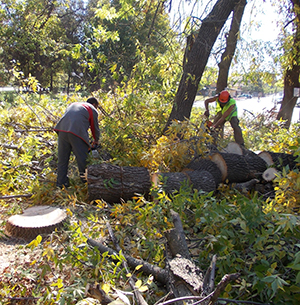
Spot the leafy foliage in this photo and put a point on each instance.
(257, 238)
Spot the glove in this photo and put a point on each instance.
(206, 113)
(95, 145)
(209, 124)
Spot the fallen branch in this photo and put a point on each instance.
(221, 286)
(10, 146)
(159, 274)
(15, 196)
(137, 294)
(176, 238)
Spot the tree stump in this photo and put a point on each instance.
(113, 183)
(35, 221)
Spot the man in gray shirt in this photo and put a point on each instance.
(72, 130)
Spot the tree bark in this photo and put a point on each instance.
(234, 167)
(197, 59)
(200, 164)
(172, 182)
(231, 42)
(113, 183)
(291, 78)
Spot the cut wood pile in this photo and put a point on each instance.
(243, 169)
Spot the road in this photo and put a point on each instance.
(256, 106)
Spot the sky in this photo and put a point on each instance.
(261, 14)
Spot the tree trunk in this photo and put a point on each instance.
(197, 58)
(231, 42)
(291, 78)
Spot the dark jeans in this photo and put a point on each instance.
(68, 142)
(237, 131)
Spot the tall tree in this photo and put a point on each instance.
(197, 58)
(130, 30)
(291, 77)
(231, 41)
(30, 35)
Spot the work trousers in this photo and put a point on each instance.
(68, 142)
(237, 131)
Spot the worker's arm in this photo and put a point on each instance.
(208, 101)
(224, 116)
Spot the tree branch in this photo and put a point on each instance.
(159, 274)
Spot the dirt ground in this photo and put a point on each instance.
(12, 252)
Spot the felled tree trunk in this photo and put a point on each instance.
(282, 159)
(234, 167)
(256, 164)
(172, 182)
(113, 183)
(201, 164)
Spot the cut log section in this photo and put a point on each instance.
(35, 221)
(233, 148)
(247, 186)
(270, 174)
(266, 157)
(279, 159)
(113, 183)
(221, 164)
(255, 163)
(233, 167)
(282, 159)
(201, 164)
(172, 182)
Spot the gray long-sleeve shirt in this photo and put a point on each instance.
(76, 121)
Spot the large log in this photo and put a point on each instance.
(234, 167)
(283, 159)
(201, 164)
(173, 181)
(256, 164)
(113, 183)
